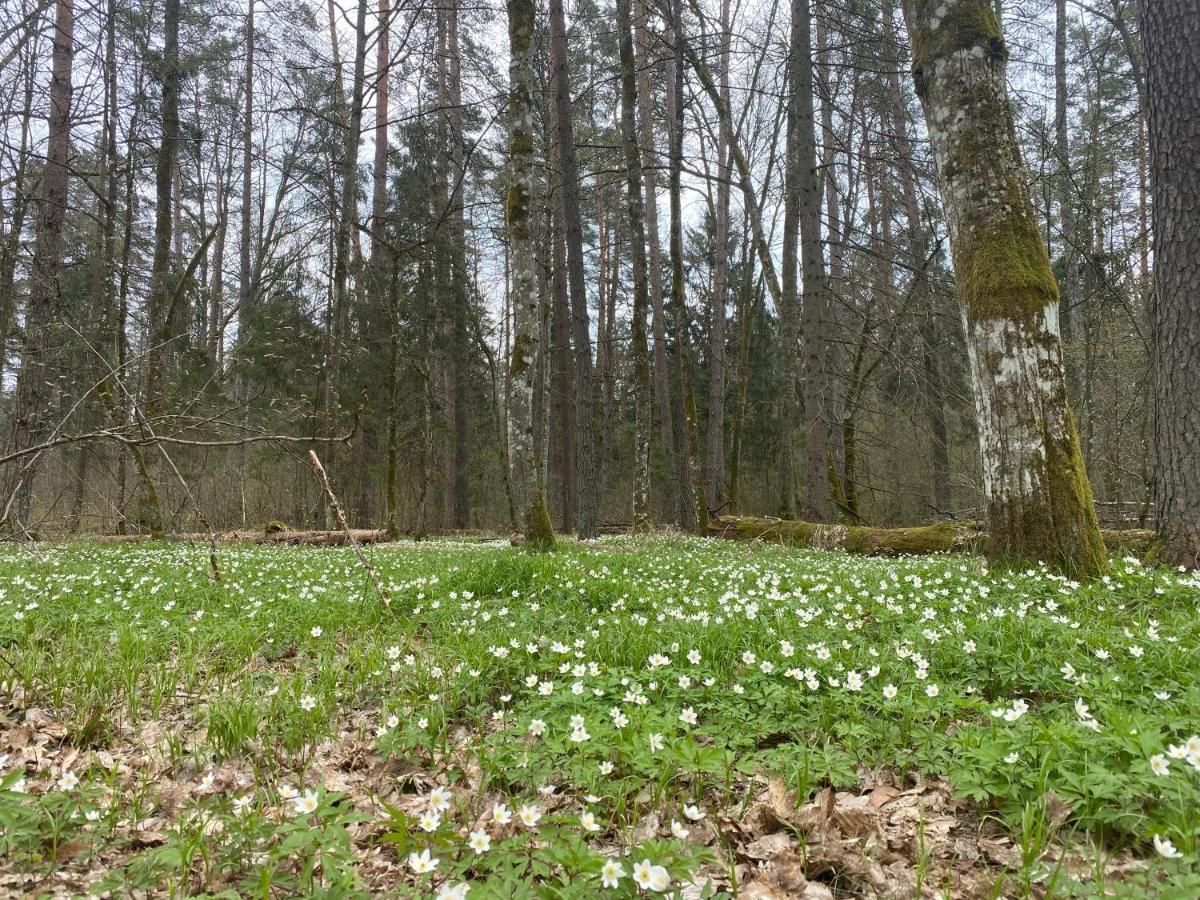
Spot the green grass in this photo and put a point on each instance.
(191, 710)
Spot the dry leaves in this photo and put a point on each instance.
(869, 843)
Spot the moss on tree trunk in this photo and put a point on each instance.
(527, 482)
(1039, 501)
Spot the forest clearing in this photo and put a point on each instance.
(664, 716)
(585, 448)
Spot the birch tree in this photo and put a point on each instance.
(1039, 501)
(817, 301)
(528, 490)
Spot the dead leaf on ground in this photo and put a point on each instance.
(768, 846)
(1057, 809)
(881, 795)
(647, 828)
(999, 851)
(814, 815)
(855, 816)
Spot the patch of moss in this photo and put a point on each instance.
(967, 23)
(521, 356)
(1136, 541)
(1003, 270)
(539, 536)
(943, 537)
(516, 209)
(1058, 524)
(520, 26)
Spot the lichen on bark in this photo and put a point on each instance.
(955, 26)
(526, 480)
(1039, 502)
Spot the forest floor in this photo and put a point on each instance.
(629, 717)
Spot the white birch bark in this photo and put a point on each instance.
(1039, 502)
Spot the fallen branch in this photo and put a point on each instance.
(122, 435)
(315, 462)
(943, 537)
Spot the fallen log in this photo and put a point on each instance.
(942, 537)
(307, 538)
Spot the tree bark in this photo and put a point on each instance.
(11, 248)
(641, 289)
(692, 505)
(662, 368)
(586, 465)
(462, 311)
(159, 332)
(245, 301)
(42, 309)
(789, 307)
(748, 308)
(839, 219)
(817, 304)
(113, 336)
(1039, 501)
(1172, 60)
(715, 458)
(375, 319)
(562, 407)
(347, 228)
(1063, 185)
(527, 484)
(211, 343)
(454, 269)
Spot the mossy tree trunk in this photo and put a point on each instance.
(1172, 63)
(528, 489)
(1039, 501)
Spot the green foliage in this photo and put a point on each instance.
(606, 688)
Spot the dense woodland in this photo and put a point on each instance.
(648, 263)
